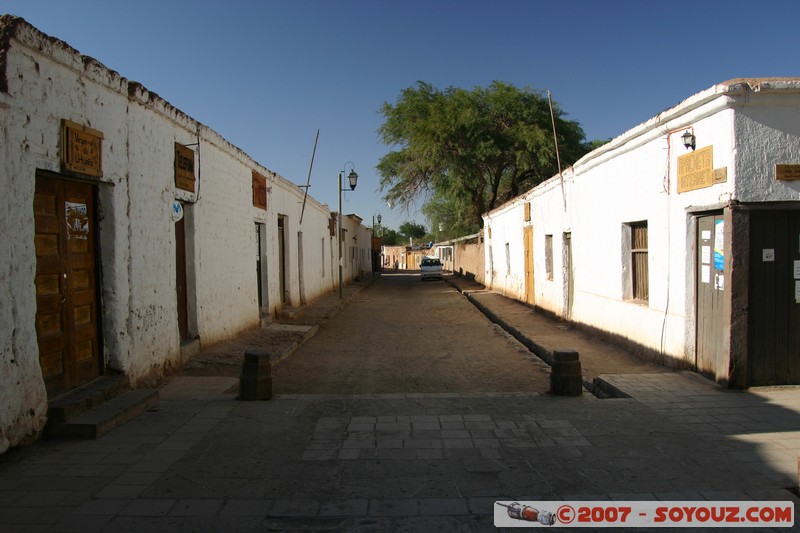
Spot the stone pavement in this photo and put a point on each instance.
(202, 461)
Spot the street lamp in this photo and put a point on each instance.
(352, 178)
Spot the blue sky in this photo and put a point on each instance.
(267, 75)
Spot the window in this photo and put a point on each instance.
(548, 256)
(638, 285)
(508, 259)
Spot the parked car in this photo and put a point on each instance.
(431, 268)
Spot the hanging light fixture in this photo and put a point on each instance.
(688, 139)
(353, 179)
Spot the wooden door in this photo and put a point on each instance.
(773, 317)
(710, 287)
(66, 283)
(181, 284)
(259, 252)
(282, 260)
(528, 253)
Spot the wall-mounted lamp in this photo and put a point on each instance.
(353, 179)
(688, 139)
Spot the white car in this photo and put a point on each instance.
(431, 268)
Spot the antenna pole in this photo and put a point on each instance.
(558, 157)
(308, 180)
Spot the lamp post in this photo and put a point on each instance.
(352, 178)
(377, 263)
(378, 218)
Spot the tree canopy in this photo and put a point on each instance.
(465, 151)
(412, 230)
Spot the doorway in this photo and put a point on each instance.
(282, 258)
(527, 240)
(710, 354)
(181, 279)
(774, 299)
(66, 283)
(569, 283)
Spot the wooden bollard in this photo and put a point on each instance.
(565, 375)
(255, 382)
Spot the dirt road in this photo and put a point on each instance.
(401, 335)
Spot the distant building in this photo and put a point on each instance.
(679, 237)
(133, 234)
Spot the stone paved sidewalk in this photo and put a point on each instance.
(203, 461)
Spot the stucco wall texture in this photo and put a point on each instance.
(45, 81)
(751, 125)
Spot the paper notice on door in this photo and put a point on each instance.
(797, 291)
(705, 254)
(797, 269)
(705, 273)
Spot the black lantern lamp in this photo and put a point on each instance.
(688, 139)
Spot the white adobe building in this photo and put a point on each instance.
(131, 233)
(691, 254)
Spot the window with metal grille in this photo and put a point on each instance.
(639, 271)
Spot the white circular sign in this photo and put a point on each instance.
(177, 210)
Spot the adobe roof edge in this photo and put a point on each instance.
(733, 87)
(15, 27)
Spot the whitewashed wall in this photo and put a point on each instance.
(48, 81)
(634, 178)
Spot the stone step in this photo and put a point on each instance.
(83, 398)
(98, 421)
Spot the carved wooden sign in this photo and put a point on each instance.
(184, 168)
(696, 170)
(259, 191)
(785, 172)
(81, 149)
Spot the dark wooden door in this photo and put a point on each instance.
(773, 318)
(180, 278)
(282, 260)
(66, 283)
(710, 287)
(259, 251)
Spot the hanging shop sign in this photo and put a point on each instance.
(81, 149)
(184, 168)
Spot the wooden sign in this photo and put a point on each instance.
(696, 170)
(81, 149)
(259, 191)
(787, 172)
(184, 168)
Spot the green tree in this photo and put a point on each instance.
(469, 150)
(412, 230)
(390, 237)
